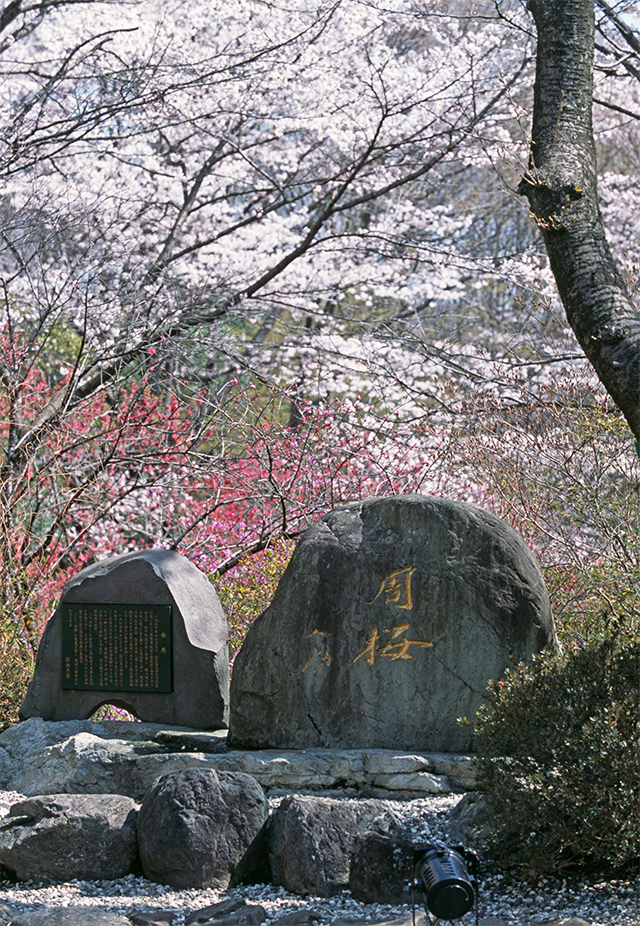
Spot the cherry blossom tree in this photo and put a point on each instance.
(257, 263)
(183, 196)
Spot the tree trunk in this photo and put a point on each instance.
(561, 186)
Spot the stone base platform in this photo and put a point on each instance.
(117, 757)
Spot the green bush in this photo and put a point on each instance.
(246, 591)
(560, 759)
(16, 669)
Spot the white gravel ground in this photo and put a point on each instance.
(599, 901)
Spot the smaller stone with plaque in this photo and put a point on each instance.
(143, 631)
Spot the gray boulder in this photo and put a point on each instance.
(200, 657)
(381, 869)
(389, 621)
(34, 761)
(312, 838)
(65, 836)
(197, 828)
(470, 822)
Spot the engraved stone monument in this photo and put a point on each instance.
(144, 631)
(389, 621)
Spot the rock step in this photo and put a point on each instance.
(81, 756)
(374, 772)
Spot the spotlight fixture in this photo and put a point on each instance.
(447, 879)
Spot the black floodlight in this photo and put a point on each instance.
(446, 877)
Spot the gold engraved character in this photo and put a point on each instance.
(400, 648)
(396, 588)
(322, 656)
(396, 647)
(370, 649)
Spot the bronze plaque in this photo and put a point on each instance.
(117, 647)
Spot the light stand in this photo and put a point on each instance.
(447, 879)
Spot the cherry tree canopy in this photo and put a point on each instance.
(167, 168)
(211, 209)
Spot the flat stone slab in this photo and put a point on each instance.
(234, 911)
(45, 757)
(69, 916)
(386, 627)
(418, 918)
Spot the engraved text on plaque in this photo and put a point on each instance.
(117, 647)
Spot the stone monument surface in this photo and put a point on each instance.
(389, 621)
(143, 631)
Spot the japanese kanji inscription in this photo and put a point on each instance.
(108, 647)
(390, 643)
(396, 588)
(395, 646)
